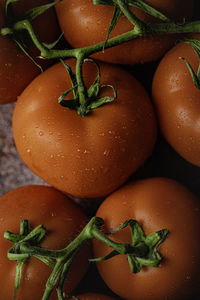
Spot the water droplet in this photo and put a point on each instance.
(41, 133)
(106, 153)
(86, 151)
(102, 134)
(28, 150)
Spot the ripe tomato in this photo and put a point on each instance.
(92, 296)
(86, 24)
(156, 203)
(177, 102)
(63, 221)
(88, 156)
(16, 69)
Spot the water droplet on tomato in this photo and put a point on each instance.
(106, 153)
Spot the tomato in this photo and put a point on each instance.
(92, 296)
(87, 156)
(156, 203)
(63, 221)
(86, 24)
(177, 102)
(16, 69)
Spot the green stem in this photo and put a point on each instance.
(83, 99)
(139, 253)
(148, 29)
(139, 26)
(140, 29)
(122, 248)
(170, 28)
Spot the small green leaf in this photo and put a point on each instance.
(53, 44)
(110, 255)
(18, 276)
(156, 238)
(148, 9)
(8, 8)
(37, 11)
(73, 79)
(102, 2)
(134, 264)
(195, 44)
(25, 228)
(99, 102)
(12, 237)
(46, 260)
(36, 235)
(149, 261)
(137, 233)
(116, 15)
(195, 77)
(70, 103)
(23, 47)
(124, 225)
(93, 90)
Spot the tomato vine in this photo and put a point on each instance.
(142, 251)
(140, 29)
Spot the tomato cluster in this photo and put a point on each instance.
(85, 148)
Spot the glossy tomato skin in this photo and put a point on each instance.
(89, 156)
(16, 69)
(92, 296)
(156, 203)
(85, 24)
(63, 221)
(176, 101)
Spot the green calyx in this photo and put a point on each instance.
(142, 251)
(33, 238)
(84, 100)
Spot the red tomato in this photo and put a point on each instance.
(85, 24)
(156, 204)
(87, 156)
(16, 69)
(177, 102)
(92, 296)
(63, 221)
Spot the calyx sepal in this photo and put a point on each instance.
(195, 44)
(91, 95)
